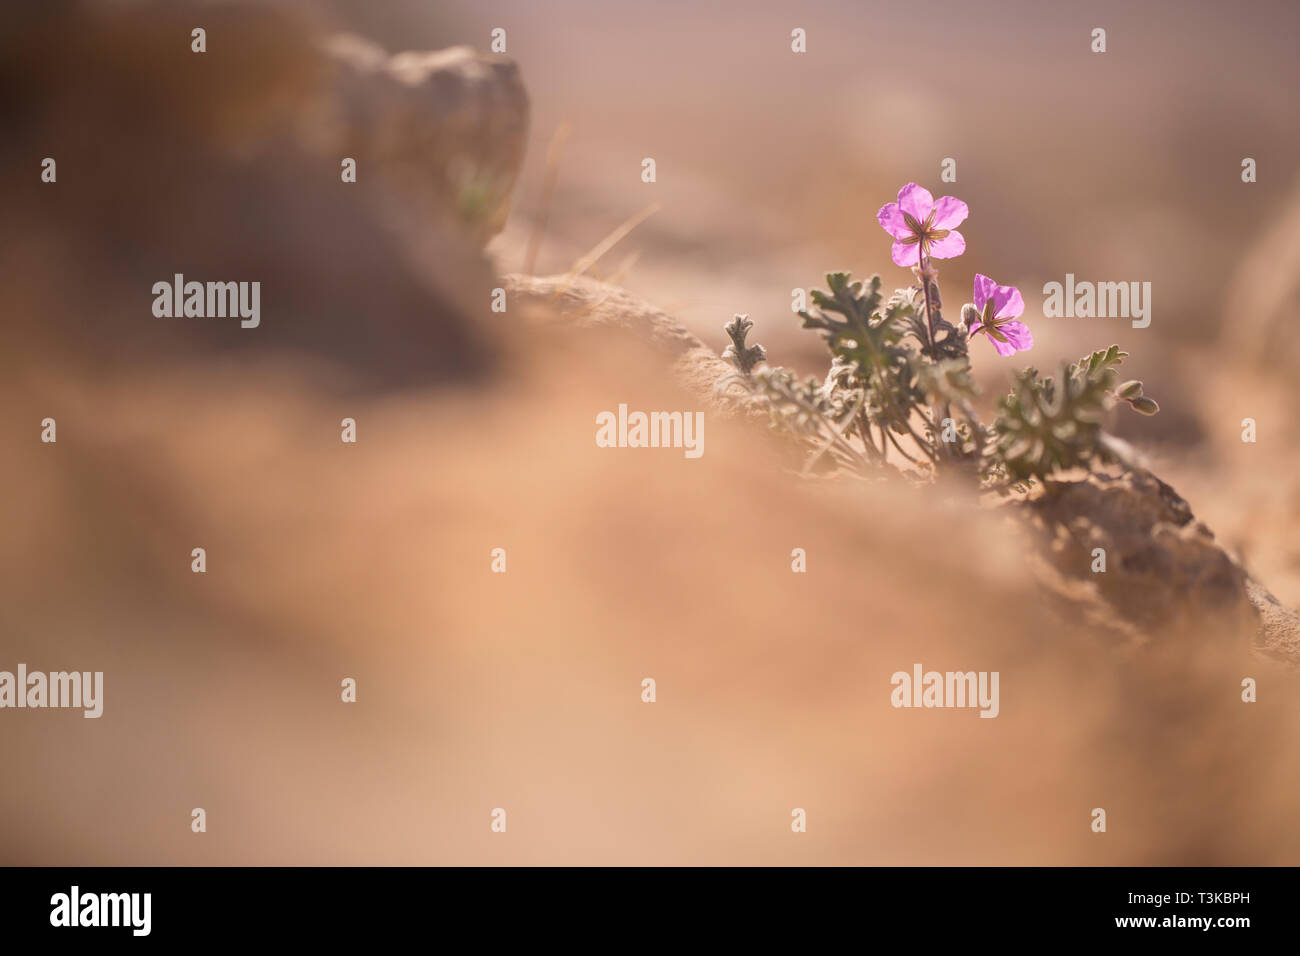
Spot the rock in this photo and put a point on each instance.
(586, 303)
(444, 130)
(1165, 573)
(219, 172)
(1279, 626)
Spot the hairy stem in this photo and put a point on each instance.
(894, 441)
(902, 418)
(977, 428)
(925, 290)
(837, 432)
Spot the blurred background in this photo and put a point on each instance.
(522, 690)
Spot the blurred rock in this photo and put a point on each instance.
(215, 165)
(446, 130)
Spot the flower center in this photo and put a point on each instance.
(924, 233)
(989, 324)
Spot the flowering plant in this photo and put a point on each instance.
(899, 395)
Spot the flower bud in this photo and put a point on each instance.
(1144, 405)
(970, 315)
(1129, 390)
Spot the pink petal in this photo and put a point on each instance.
(1005, 349)
(905, 254)
(1018, 338)
(916, 201)
(890, 218)
(1018, 334)
(949, 247)
(1007, 302)
(984, 287)
(949, 213)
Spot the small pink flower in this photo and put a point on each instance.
(922, 227)
(997, 307)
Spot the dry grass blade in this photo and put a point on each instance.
(608, 243)
(553, 153)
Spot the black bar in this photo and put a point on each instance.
(328, 905)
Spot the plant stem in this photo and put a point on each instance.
(894, 440)
(977, 428)
(869, 439)
(934, 352)
(925, 290)
(902, 418)
(837, 432)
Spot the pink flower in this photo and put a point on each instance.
(922, 227)
(997, 307)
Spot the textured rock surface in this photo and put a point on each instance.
(1164, 572)
(446, 129)
(1279, 626)
(589, 304)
